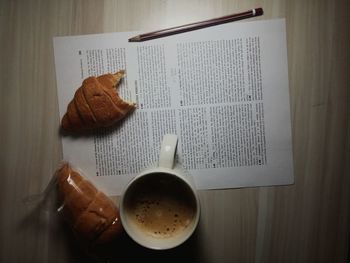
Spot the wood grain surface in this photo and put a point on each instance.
(306, 222)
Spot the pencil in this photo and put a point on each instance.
(197, 25)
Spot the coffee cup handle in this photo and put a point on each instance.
(167, 151)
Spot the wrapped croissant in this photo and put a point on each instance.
(93, 217)
(96, 104)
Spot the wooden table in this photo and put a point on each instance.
(306, 222)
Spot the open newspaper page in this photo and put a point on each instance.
(222, 90)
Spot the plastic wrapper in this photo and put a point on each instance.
(93, 217)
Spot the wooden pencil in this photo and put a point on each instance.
(197, 25)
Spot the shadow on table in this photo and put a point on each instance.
(123, 249)
(127, 250)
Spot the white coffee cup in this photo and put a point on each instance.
(159, 208)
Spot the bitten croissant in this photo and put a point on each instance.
(92, 215)
(96, 104)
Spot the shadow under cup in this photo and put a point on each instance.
(159, 210)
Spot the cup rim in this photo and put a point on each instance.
(195, 221)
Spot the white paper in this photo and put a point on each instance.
(223, 90)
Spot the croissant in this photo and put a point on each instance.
(92, 215)
(96, 104)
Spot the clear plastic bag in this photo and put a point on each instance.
(93, 217)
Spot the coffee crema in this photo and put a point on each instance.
(160, 205)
